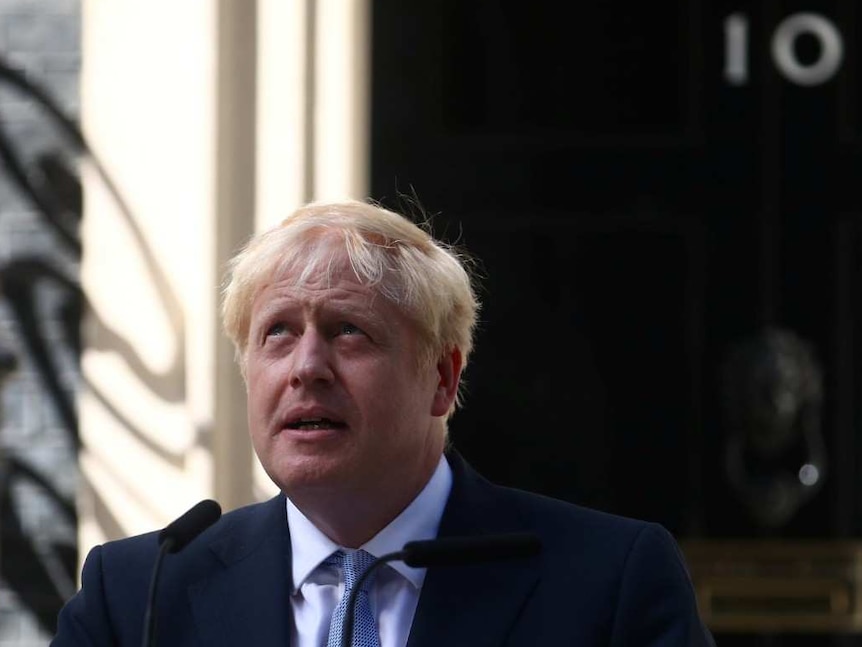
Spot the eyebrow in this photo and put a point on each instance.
(351, 304)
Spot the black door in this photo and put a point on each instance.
(664, 200)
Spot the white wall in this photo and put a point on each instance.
(214, 118)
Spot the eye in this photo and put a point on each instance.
(348, 329)
(276, 329)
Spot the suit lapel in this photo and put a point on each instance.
(247, 601)
(473, 605)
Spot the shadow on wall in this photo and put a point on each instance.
(41, 575)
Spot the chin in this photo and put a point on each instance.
(311, 474)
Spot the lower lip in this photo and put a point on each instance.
(313, 435)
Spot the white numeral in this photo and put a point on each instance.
(783, 53)
(736, 49)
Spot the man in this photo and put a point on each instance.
(352, 327)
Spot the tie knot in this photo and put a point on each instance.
(353, 565)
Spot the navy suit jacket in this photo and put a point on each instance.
(599, 580)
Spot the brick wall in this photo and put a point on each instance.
(37, 447)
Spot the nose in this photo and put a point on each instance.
(312, 361)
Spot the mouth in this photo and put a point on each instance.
(315, 424)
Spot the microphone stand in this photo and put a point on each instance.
(150, 615)
(172, 539)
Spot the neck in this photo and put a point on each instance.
(352, 519)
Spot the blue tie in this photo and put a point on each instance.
(365, 628)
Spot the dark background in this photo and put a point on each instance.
(637, 217)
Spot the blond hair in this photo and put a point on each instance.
(427, 279)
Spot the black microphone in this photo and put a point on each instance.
(177, 534)
(449, 551)
(172, 539)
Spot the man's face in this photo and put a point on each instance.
(336, 400)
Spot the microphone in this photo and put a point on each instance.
(172, 539)
(177, 534)
(448, 551)
(451, 551)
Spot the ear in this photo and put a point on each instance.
(448, 378)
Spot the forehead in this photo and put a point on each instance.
(335, 286)
(321, 291)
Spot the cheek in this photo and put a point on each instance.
(405, 395)
(262, 392)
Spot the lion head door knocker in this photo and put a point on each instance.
(775, 458)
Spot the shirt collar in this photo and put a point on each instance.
(419, 520)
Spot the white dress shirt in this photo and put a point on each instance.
(395, 590)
